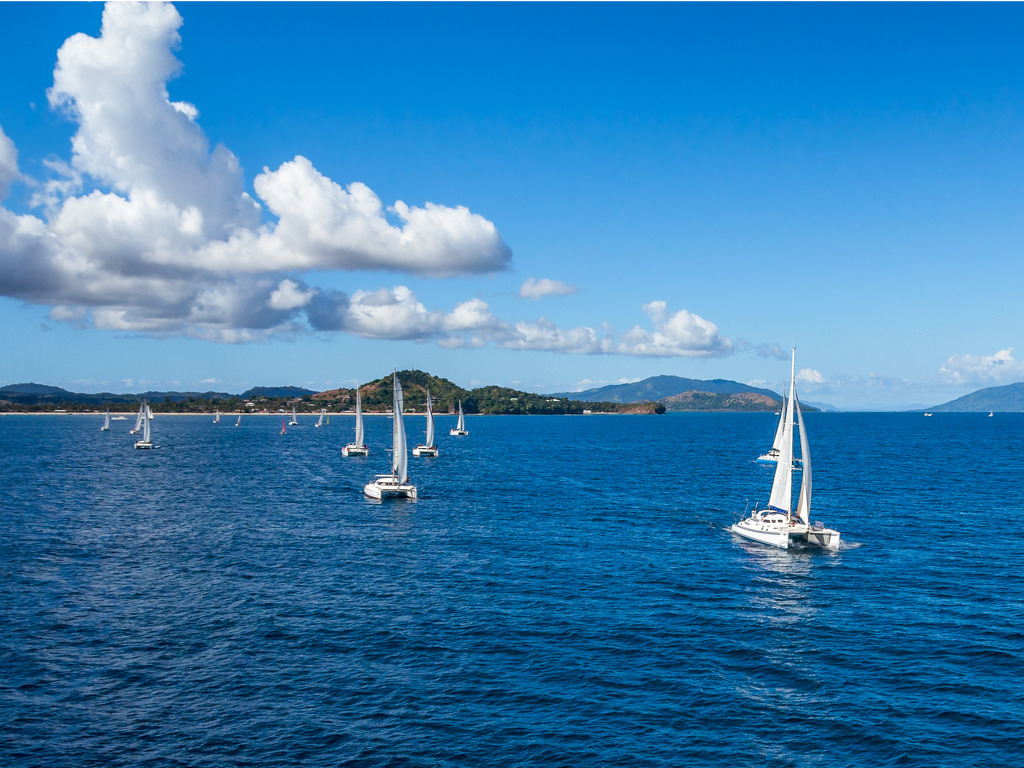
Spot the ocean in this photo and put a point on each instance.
(565, 592)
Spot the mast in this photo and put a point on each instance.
(399, 458)
(359, 419)
(803, 507)
(782, 486)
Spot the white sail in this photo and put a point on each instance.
(359, 419)
(295, 419)
(149, 412)
(461, 426)
(239, 422)
(320, 421)
(777, 442)
(216, 419)
(139, 419)
(430, 422)
(803, 507)
(399, 458)
(782, 486)
(145, 430)
(106, 422)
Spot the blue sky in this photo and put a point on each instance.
(546, 196)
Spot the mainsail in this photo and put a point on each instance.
(803, 507)
(399, 458)
(359, 420)
(430, 423)
(782, 486)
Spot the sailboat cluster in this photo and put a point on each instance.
(779, 524)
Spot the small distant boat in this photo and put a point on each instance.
(927, 414)
(106, 422)
(282, 427)
(460, 428)
(990, 413)
(216, 419)
(145, 442)
(427, 448)
(239, 422)
(772, 456)
(777, 525)
(396, 484)
(139, 419)
(119, 418)
(320, 421)
(357, 448)
(295, 419)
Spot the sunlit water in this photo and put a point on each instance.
(564, 593)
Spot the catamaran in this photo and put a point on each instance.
(357, 448)
(777, 525)
(295, 419)
(427, 448)
(106, 422)
(320, 421)
(396, 484)
(145, 442)
(460, 428)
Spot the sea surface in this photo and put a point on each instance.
(565, 592)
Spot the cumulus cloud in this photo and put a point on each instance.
(533, 288)
(149, 228)
(977, 370)
(680, 333)
(809, 376)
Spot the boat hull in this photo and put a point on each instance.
(773, 538)
(143, 444)
(457, 432)
(781, 534)
(386, 488)
(355, 450)
(424, 450)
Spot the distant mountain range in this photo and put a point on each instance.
(29, 394)
(658, 388)
(1005, 399)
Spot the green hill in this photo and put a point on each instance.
(660, 387)
(1006, 399)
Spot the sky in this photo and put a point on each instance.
(546, 196)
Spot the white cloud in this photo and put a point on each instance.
(148, 228)
(978, 370)
(535, 289)
(809, 376)
(680, 333)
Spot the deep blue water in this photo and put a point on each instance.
(564, 593)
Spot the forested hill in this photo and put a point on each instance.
(661, 387)
(1005, 399)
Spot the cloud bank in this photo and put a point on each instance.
(982, 370)
(148, 228)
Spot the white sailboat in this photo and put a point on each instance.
(216, 419)
(396, 484)
(320, 421)
(145, 442)
(149, 411)
(295, 419)
(239, 422)
(427, 448)
(460, 428)
(777, 524)
(106, 422)
(139, 419)
(357, 448)
(772, 456)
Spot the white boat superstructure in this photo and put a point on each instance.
(427, 448)
(146, 441)
(295, 419)
(778, 524)
(396, 484)
(106, 422)
(460, 427)
(320, 421)
(357, 447)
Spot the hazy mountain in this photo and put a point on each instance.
(660, 387)
(1009, 398)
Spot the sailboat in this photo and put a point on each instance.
(282, 428)
(396, 484)
(460, 428)
(427, 448)
(990, 413)
(139, 419)
(295, 420)
(772, 455)
(149, 411)
(106, 422)
(239, 422)
(357, 448)
(320, 421)
(216, 419)
(777, 524)
(145, 442)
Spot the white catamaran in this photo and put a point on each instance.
(777, 525)
(145, 442)
(357, 448)
(427, 448)
(460, 428)
(396, 484)
(216, 419)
